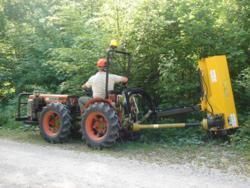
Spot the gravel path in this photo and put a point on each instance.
(27, 165)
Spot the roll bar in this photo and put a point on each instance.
(110, 52)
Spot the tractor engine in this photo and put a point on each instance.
(36, 102)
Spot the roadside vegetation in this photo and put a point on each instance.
(52, 46)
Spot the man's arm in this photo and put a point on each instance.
(88, 84)
(119, 79)
(85, 86)
(124, 79)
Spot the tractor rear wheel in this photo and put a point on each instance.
(100, 125)
(55, 123)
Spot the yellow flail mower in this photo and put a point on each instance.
(102, 121)
(217, 100)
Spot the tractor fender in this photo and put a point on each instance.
(95, 100)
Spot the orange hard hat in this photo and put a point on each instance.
(101, 63)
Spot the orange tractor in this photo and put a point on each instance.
(103, 121)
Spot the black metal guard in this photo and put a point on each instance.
(109, 61)
(19, 103)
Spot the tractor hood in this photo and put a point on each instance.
(49, 98)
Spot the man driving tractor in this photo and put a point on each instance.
(97, 82)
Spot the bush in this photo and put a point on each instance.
(242, 137)
(7, 115)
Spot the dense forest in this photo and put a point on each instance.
(53, 45)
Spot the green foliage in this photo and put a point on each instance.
(7, 116)
(53, 45)
(242, 86)
(174, 137)
(242, 137)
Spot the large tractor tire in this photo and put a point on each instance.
(100, 125)
(55, 123)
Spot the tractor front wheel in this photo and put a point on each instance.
(55, 123)
(100, 125)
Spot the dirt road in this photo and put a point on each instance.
(27, 165)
